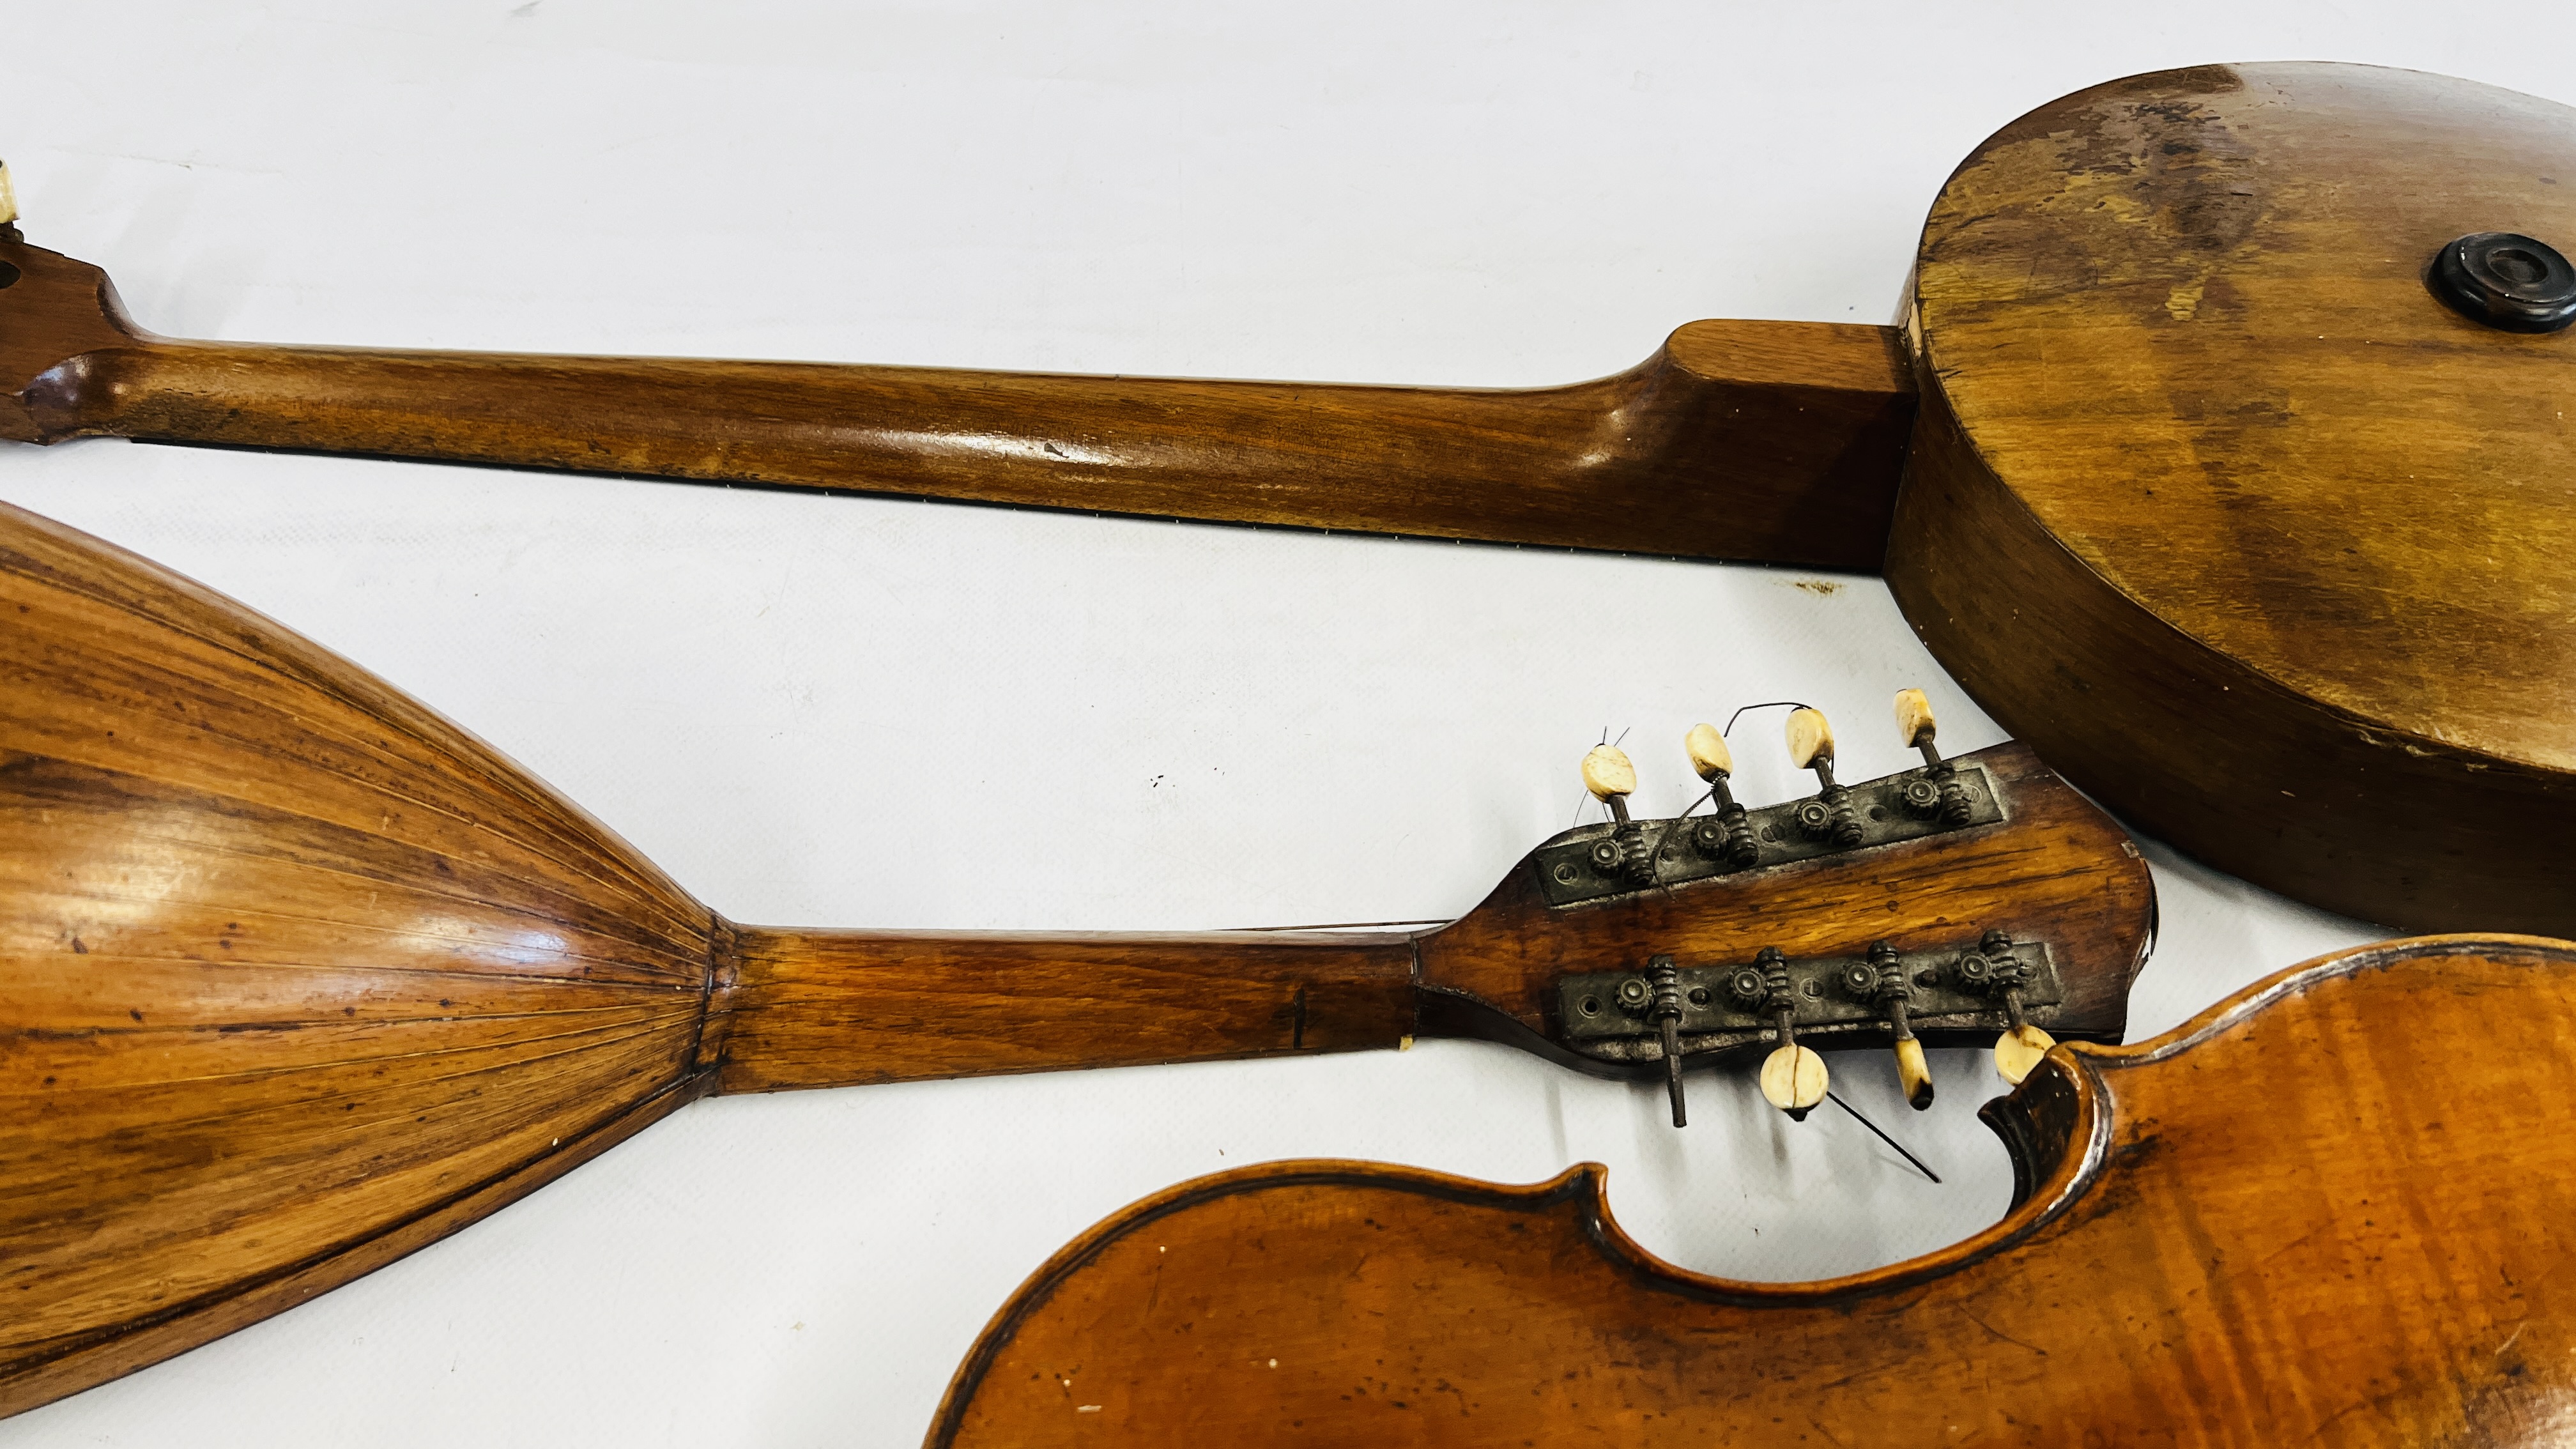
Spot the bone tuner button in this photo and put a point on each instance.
(1913, 1074)
(1913, 716)
(1708, 752)
(8, 197)
(1810, 738)
(1793, 1080)
(2019, 1050)
(1607, 773)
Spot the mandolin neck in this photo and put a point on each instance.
(837, 1008)
(1779, 442)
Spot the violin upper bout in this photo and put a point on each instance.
(2041, 1123)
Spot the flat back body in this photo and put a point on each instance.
(2216, 505)
(299, 976)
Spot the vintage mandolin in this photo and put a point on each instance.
(2327, 1211)
(2220, 456)
(296, 976)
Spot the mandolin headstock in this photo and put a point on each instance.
(1977, 900)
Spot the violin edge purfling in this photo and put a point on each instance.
(2173, 1268)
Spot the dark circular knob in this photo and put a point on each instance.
(1747, 986)
(1815, 820)
(2507, 280)
(1859, 982)
(1921, 798)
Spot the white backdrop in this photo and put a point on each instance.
(1239, 727)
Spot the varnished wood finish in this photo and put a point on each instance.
(1940, 891)
(2208, 497)
(2214, 504)
(2334, 1210)
(31, 1380)
(1775, 441)
(832, 1008)
(296, 976)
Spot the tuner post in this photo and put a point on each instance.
(1883, 981)
(1665, 981)
(1726, 835)
(1611, 779)
(1811, 747)
(1994, 970)
(1793, 1078)
(1938, 793)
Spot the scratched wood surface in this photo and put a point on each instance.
(1776, 441)
(2205, 496)
(2332, 1210)
(297, 976)
(2215, 505)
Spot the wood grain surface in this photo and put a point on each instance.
(2206, 496)
(2332, 1210)
(2056, 870)
(831, 1008)
(802, 1008)
(2214, 504)
(297, 976)
(1775, 441)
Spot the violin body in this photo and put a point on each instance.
(297, 976)
(2339, 1208)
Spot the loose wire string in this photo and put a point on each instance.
(1882, 1136)
(1586, 795)
(1711, 794)
(1766, 704)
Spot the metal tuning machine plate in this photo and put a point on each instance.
(1993, 985)
(1626, 854)
(1598, 861)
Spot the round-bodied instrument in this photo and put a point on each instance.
(2221, 455)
